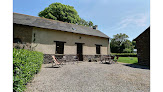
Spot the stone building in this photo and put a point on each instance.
(143, 47)
(53, 37)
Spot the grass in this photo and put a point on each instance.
(130, 60)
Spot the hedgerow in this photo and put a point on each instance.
(124, 54)
(25, 64)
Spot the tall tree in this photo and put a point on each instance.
(61, 12)
(134, 44)
(120, 44)
(128, 46)
(90, 23)
(65, 13)
(83, 22)
(115, 46)
(120, 37)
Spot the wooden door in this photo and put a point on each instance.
(80, 51)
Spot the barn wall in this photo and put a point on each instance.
(22, 32)
(44, 42)
(143, 48)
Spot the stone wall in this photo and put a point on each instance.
(143, 48)
(22, 46)
(48, 57)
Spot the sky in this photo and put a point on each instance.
(131, 17)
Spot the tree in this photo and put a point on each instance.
(128, 46)
(115, 46)
(65, 13)
(134, 44)
(83, 22)
(120, 37)
(120, 44)
(127, 50)
(61, 12)
(90, 23)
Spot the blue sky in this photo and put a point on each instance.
(131, 17)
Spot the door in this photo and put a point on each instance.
(80, 51)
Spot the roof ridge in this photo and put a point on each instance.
(82, 29)
(51, 19)
(142, 32)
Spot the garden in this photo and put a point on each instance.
(123, 48)
(130, 60)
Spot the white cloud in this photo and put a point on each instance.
(138, 20)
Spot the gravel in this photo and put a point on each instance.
(91, 77)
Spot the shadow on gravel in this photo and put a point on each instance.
(137, 66)
(106, 63)
(52, 67)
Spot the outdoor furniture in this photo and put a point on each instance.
(64, 59)
(115, 60)
(107, 58)
(102, 58)
(55, 61)
(96, 58)
(89, 58)
(75, 59)
(112, 59)
(69, 58)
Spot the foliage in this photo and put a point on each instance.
(115, 46)
(25, 65)
(128, 46)
(65, 13)
(127, 50)
(58, 11)
(83, 22)
(120, 37)
(125, 54)
(134, 44)
(130, 60)
(90, 23)
(120, 44)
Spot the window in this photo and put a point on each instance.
(59, 47)
(98, 49)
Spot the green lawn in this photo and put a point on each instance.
(130, 60)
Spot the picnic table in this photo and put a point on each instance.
(107, 58)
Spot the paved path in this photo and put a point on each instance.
(91, 77)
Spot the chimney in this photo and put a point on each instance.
(95, 27)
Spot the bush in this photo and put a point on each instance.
(126, 50)
(25, 65)
(125, 54)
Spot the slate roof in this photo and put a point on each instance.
(56, 25)
(148, 29)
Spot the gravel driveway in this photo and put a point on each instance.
(91, 77)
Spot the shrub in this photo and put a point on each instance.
(125, 54)
(25, 65)
(127, 50)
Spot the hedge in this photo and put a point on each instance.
(25, 64)
(125, 54)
